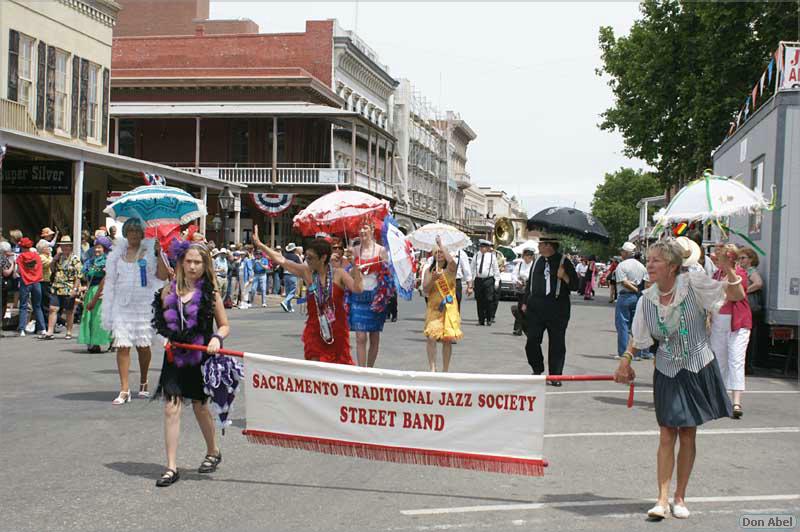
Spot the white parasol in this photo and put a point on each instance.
(424, 238)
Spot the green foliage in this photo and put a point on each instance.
(614, 202)
(683, 73)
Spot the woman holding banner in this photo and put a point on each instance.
(326, 337)
(688, 387)
(442, 319)
(185, 312)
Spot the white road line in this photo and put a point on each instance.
(607, 502)
(754, 430)
(649, 390)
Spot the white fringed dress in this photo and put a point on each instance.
(127, 305)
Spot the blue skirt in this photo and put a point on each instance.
(690, 399)
(362, 318)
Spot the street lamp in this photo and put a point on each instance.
(226, 202)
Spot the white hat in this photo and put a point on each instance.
(322, 234)
(222, 250)
(483, 242)
(290, 247)
(630, 247)
(691, 251)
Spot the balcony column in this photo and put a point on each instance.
(369, 158)
(353, 153)
(204, 199)
(385, 160)
(77, 204)
(197, 142)
(237, 224)
(274, 150)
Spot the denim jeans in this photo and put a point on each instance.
(291, 285)
(626, 307)
(259, 285)
(276, 283)
(27, 293)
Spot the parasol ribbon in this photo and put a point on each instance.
(573, 378)
(745, 238)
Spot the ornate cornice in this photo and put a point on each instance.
(364, 75)
(104, 11)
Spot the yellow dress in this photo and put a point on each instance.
(443, 323)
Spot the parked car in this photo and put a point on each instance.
(508, 284)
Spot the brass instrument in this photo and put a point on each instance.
(503, 232)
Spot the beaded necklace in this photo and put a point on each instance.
(683, 332)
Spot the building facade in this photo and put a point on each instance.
(55, 60)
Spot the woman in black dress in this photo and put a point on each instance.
(185, 312)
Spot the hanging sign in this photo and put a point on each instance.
(37, 177)
(272, 204)
(791, 67)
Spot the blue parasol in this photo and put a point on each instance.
(156, 205)
(401, 262)
(221, 378)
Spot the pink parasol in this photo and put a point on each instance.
(341, 211)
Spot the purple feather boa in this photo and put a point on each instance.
(172, 316)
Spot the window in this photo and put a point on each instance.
(25, 82)
(92, 104)
(62, 95)
(757, 184)
(127, 138)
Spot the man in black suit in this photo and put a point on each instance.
(486, 275)
(548, 307)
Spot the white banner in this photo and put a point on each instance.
(483, 422)
(791, 67)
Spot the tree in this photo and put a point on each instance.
(683, 73)
(614, 202)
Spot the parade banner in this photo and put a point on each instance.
(791, 68)
(489, 423)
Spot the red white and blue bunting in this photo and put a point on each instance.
(154, 179)
(272, 204)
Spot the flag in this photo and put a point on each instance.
(769, 70)
(272, 204)
(755, 93)
(746, 108)
(154, 179)
(2, 154)
(738, 118)
(763, 76)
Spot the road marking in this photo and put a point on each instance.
(649, 390)
(606, 502)
(754, 430)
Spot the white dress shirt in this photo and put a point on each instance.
(485, 265)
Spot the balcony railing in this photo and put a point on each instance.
(247, 175)
(463, 180)
(15, 116)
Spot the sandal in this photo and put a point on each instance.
(210, 463)
(143, 391)
(122, 398)
(737, 411)
(168, 478)
(45, 336)
(67, 336)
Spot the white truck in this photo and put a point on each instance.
(764, 153)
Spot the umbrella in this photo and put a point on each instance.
(156, 205)
(222, 377)
(507, 252)
(711, 198)
(533, 245)
(341, 211)
(425, 237)
(570, 221)
(401, 260)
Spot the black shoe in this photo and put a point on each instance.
(210, 463)
(517, 333)
(488, 323)
(94, 349)
(556, 384)
(480, 323)
(394, 320)
(169, 478)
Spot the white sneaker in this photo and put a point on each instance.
(680, 511)
(658, 512)
(263, 305)
(21, 334)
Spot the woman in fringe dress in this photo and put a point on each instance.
(442, 320)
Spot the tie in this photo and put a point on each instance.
(480, 268)
(547, 277)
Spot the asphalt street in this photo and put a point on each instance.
(72, 461)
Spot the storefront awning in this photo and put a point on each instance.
(71, 152)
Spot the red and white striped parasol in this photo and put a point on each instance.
(341, 211)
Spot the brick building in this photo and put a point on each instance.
(297, 113)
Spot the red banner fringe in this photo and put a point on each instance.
(402, 455)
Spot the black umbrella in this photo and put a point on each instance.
(570, 221)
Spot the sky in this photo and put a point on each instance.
(521, 74)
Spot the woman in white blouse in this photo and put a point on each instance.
(688, 386)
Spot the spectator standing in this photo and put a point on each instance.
(7, 269)
(66, 274)
(611, 278)
(91, 332)
(748, 260)
(245, 277)
(580, 269)
(630, 274)
(289, 278)
(589, 276)
(87, 249)
(46, 254)
(260, 268)
(29, 266)
(50, 236)
(221, 270)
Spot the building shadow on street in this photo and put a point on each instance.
(99, 396)
(623, 401)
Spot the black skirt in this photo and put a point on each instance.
(181, 383)
(690, 399)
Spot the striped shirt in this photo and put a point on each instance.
(676, 351)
